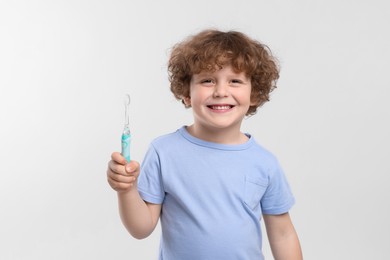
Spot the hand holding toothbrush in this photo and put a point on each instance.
(122, 173)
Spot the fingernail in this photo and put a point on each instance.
(128, 168)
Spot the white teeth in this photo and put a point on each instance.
(220, 107)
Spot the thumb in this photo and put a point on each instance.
(118, 158)
(132, 167)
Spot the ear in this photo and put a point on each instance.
(254, 101)
(187, 101)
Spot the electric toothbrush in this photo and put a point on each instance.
(126, 134)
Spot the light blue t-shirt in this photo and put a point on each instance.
(212, 195)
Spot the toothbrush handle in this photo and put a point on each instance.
(126, 140)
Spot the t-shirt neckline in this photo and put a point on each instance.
(228, 147)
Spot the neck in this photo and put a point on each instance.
(221, 136)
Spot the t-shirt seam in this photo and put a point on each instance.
(150, 197)
(186, 136)
(287, 205)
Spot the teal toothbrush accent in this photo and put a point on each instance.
(126, 141)
(126, 134)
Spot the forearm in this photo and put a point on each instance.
(286, 246)
(282, 237)
(135, 214)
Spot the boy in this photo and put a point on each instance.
(209, 183)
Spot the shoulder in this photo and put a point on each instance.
(167, 141)
(263, 154)
(164, 139)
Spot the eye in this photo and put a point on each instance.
(236, 81)
(207, 81)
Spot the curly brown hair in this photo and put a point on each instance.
(210, 50)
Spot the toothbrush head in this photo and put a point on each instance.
(127, 100)
(127, 104)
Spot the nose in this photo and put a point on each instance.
(220, 90)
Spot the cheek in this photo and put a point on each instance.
(246, 98)
(198, 96)
(195, 100)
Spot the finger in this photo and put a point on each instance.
(120, 186)
(116, 168)
(121, 178)
(117, 157)
(132, 167)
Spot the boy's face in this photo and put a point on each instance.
(219, 99)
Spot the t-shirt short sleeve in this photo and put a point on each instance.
(150, 184)
(278, 198)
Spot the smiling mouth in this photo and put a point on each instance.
(220, 107)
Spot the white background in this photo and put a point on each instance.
(65, 66)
